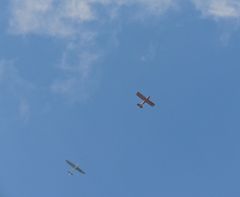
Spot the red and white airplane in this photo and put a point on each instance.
(145, 100)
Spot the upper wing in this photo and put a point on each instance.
(150, 102)
(71, 164)
(141, 96)
(80, 170)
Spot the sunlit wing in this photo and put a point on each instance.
(141, 96)
(150, 102)
(71, 164)
(79, 170)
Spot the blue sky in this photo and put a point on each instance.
(69, 71)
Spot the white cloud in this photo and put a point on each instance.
(219, 9)
(50, 17)
(226, 12)
(78, 10)
(66, 17)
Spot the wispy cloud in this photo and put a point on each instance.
(13, 85)
(55, 18)
(67, 17)
(76, 68)
(11, 80)
(67, 20)
(225, 12)
(24, 110)
(219, 9)
(80, 22)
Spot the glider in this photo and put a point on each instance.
(74, 167)
(145, 100)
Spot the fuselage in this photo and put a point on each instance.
(143, 102)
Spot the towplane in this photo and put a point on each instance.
(144, 100)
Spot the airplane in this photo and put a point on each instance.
(145, 100)
(74, 167)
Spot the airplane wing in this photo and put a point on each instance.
(79, 170)
(141, 96)
(71, 164)
(150, 102)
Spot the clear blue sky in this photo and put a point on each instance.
(69, 71)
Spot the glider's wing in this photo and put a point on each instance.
(141, 96)
(150, 102)
(75, 167)
(79, 170)
(71, 164)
